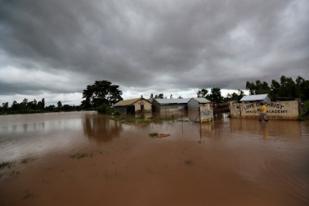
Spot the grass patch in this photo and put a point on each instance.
(28, 195)
(79, 155)
(188, 162)
(27, 160)
(4, 165)
(158, 135)
(14, 173)
(153, 135)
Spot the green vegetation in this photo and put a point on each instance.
(27, 160)
(79, 155)
(28, 195)
(216, 97)
(157, 96)
(154, 134)
(285, 89)
(158, 135)
(6, 165)
(101, 96)
(34, 106)
(106, 109)
(188, 162)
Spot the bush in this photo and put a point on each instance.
(106, 109)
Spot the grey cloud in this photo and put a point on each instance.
(179, 44)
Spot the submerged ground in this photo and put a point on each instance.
(83, 158)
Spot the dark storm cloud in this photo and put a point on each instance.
(152, 44)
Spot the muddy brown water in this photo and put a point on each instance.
(82, 158)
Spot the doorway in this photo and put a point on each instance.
(142, 108)
(131, 110)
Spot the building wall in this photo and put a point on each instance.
(206, 113)
(175, 108)
(193, 105)
(200, 112)
(235, 109)
(275, 110)
(147, 106)
(122, 110)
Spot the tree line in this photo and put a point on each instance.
(103, 94)
(34, 106)
(214, 95)
(285, 89)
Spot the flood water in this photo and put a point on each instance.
(82, 158)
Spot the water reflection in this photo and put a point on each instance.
(100, 128)
(206, 130)
(282, 129)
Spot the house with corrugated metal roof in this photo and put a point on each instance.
(200, 110)
(196, 103)
(170, 105)
(256, 98)
(133, 106)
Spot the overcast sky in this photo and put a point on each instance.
(54, 48)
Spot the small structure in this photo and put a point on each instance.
(163, 106)
(195, 103)
(133, 106)
(200, 109)
(256, 98)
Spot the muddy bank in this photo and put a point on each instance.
(101, 161)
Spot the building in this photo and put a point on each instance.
(256, 98)
(200, 109)
(275, 110)
(165, 106)
(195, 103)
(133, 106)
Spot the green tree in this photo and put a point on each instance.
(215, 95)
(59, 105)
(287, 88)
(5, 106)
(202, 93)
(32, 106)
(234, 96)
(284, 89)
(258, 87)
(101, 93)
(159, 96)
(41, 104)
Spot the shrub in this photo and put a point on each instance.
(105, 109)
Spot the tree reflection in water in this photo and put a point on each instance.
(100, 128)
